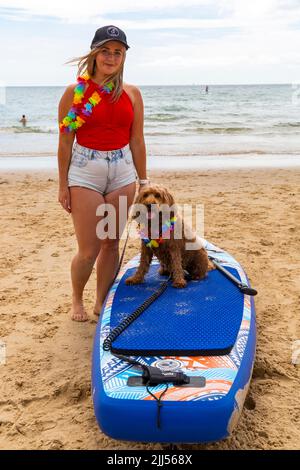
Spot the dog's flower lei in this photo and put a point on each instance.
(166, 229)
(82, 106)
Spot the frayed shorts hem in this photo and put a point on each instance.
(103, 193)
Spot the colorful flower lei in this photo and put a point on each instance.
(167, 228)
(82, 108)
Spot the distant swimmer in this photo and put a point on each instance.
(206, 89)
(23, 120)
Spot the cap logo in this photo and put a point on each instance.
(112, 31)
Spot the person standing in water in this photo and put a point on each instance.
(23, 120)
(106, 116)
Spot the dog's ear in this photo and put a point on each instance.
(171, 203)
(167, 196)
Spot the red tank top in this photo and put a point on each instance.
(109, 126)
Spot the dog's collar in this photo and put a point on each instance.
(155, 242)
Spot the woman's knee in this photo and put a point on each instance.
(110, 245)
(88, 257)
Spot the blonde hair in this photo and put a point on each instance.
(87, 63)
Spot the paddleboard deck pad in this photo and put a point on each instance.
(205, 331)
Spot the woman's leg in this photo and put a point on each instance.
(108, 259)
(84, 203)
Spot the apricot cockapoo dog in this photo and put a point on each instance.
(159, 217)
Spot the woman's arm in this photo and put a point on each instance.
(65, 142)
(137, 142)
(64, 152)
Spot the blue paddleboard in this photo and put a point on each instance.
(205, 330)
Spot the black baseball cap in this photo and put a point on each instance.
(109, 33)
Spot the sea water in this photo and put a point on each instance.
(184, 125)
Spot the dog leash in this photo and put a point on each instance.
(129, 222)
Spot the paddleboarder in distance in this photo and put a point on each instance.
(206, 89)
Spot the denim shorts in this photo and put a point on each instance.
(102, 171)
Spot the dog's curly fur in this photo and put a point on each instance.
(172, 253)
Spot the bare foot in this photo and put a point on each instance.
(78, 312)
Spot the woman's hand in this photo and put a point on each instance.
(142, 184)
(64, 197)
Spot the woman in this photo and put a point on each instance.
(107, 117)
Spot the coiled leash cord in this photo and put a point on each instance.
(133, 316)
(149, 377)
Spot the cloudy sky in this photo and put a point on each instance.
(172, 41)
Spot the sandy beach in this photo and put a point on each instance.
(45, 381)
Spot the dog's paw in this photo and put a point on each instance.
(163, 272)
(130, 281)
(198, 277)
(180, 283)
(211, 266)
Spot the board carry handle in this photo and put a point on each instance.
(243, 287)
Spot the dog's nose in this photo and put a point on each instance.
(136, 215)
